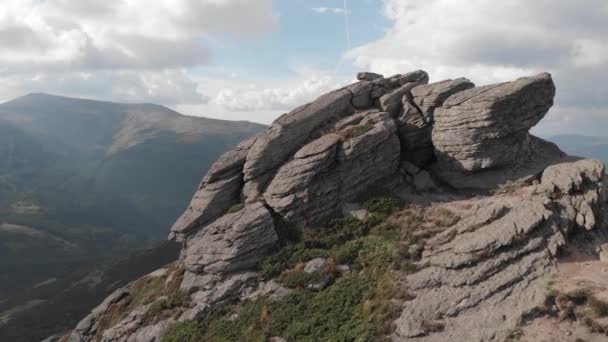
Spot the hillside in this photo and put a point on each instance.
(388, 210)
(585, 146)
(83, 180)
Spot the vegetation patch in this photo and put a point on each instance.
(358, 130)
(183, 332)
(360, 305)
(299, 279)
(236, 208)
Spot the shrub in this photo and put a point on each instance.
(183, 332)
(382, 205)
(287, 258)
(147, 289)
(336, 232)
(299, 279)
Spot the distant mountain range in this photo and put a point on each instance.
(83, 180)
(583, 146)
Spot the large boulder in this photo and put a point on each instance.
(236, 241)
(487, 127)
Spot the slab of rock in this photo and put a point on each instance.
(219, 190)
(431, 96)
(366, 159)
(334, 169)
(236, 241)
(487, 127)
(306, 180)
(288, 134)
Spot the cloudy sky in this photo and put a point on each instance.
(255, 59)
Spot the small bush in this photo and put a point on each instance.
(236, 208)
(287, 258)
(183, 332)
(147, 289)
(336, 232)
(299, 279)
(176, 300)
(382, 205)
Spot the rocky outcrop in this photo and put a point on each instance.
(402, 136)
(481, 277)
(234, 242)
(487, 127)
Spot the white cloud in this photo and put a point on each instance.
(168, 87)
(489, 41)
(113, 39)
(277, 98)
(324, 10)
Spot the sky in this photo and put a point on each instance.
(256, 59)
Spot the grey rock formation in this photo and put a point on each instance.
(236, 241)
(487, 127)
(219, 190)
(481, 277)
(334, 169)
(384, 134)
(417, 119)
(287, 134)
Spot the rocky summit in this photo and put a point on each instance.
(391, 209)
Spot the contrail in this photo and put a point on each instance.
(346, 24)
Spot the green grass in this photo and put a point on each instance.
(358, 306)
(299, 279)
(183, 332)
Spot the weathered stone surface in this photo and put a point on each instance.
(392, 102)
(315, 265)
(329, 171)
(234, 242)
(416, 120)
(368, 76)
(487, 127)
(304, 180)
(366, 159)
(541, 155)
(498, 256)
(287, 135)
(362, 94)
(219, 190)
(431, 96)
